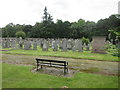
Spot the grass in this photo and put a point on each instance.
(6, 48)
(1, 76)
(17, 76)
(70, 54)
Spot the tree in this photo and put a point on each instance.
(36, 31)
(62, 29)
(114, 36)
(20, 34)
(65, 29)
(27, 29)
(50, 19)
(45, 17)
(8, 30)
(47, 25)
(104, 25)
(78, 28)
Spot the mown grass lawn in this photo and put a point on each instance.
(0, 76)
(17, 76)
(70, 54)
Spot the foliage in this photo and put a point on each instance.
(85, 41)
(104, 25)
(113, 50)
(62, 29)
(8, 30)
(20, 34)
(47, 28)
(27, 29)
(114, 36)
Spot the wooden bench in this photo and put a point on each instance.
(52, 63)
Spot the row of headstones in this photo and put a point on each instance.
(8, 43)
(45, 44)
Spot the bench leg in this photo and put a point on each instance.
(37, 66)
(41, 67)
(37, 69)
(65, 70)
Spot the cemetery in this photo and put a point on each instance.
(91, 60)
(61, 54)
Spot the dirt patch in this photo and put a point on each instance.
(70, 73)
(55, 71)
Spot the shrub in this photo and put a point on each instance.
(113, 50)
(85, 41)
(20, 34)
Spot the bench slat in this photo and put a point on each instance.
(51, 60)
(52, 64)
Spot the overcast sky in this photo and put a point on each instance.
(31, 11)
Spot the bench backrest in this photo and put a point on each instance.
(52, 61)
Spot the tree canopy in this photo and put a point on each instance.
(47, 28)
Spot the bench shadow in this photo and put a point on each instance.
(54, 71)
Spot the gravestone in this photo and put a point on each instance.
(4, 43)
(60, 44)
(30, 43)
(13, 43)
(72, 42)
(42, 41)
(45, 45)
(49, 43)
(88, 47)
(98, 45)
(74, 48)
(57, 41)
(37, 40)
(26, 45)
(35, 45)
(20, 43)
(69, 45)
(79, 45)
(8, 43)
(75, 45)
(54, 45)
(64, 45)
